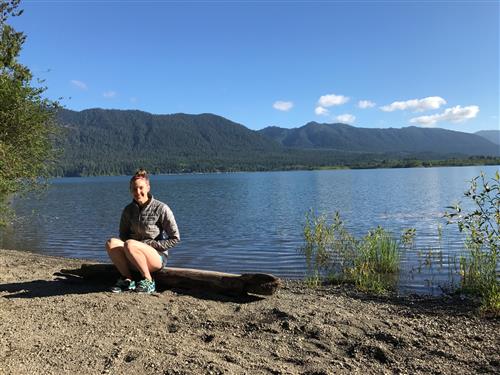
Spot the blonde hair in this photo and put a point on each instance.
(139, 174)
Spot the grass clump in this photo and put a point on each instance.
(376, 261)
(333, 254)
(478, 273)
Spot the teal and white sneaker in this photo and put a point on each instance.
(146, 286)
(123, 285)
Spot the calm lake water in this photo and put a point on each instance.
(252, 222)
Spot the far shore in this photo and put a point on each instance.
(423, 164)
(57, 325)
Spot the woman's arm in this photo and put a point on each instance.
(124, 226)
(170, 235)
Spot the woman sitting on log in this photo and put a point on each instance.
(147, 230)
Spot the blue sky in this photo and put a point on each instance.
(283, 63)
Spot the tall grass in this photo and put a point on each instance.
(479, 277)
(372, 262)
(332, 253)
(379, 251)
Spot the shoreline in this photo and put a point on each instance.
(55, 326)
(300, 169)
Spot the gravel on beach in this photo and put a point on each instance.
(53, 325)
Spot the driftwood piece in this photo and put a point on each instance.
(186, 278)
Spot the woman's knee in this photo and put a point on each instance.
(113, 243)
(130, 247)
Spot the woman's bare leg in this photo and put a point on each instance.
(143, 257)
(116, 252)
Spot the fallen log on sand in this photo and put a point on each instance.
(186, 278)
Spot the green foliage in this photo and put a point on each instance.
(379, 252)
(328, 247)
(314, 280)
(479, 270)
(26, 119)
(114, 142)
(412, 140)
(371, 263)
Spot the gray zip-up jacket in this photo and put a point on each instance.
(154, 224)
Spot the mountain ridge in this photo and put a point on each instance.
(410, 139)
(103, 141)
(491, 135)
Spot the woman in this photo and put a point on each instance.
(147, 230)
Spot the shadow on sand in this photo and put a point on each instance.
(68, 282)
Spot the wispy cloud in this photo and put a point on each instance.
(79, 84)
(133, 99)
(364, 104)
(416, 105)
(320, 111)
(331, 100)
(109, 94)
(455, 114)
(346, 118)
(282, 105)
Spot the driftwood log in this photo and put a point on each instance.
(186, 278)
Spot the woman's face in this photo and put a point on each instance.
(140, 189)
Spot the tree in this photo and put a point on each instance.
(27, 122)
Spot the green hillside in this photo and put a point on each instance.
(110, 142)
(406, 140)
(115, 142)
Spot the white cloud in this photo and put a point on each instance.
(109, 94)
(363, 104)
(346, 118)
(456, 114)
(320, 111)
(133, 99)
(416, 105)
(79, 84)
(331, 100)
(282, 106)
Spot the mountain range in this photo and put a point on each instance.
(99, 141)
(405, 140)
(490, 135)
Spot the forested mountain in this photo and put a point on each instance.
(409, 140)
(101, 141)
(490, 135)
(104, 142)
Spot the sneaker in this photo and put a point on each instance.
(146, 286)
(123, 285)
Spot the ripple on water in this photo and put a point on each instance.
(253, 222)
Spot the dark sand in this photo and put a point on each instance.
(51, 326)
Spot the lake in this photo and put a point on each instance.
(252, 222)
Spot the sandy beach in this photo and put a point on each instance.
(53, 325)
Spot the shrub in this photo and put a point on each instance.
(479, 269)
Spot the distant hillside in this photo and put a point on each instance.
(407, 140)
(490, 135)
(107, 142)
(101, 141)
